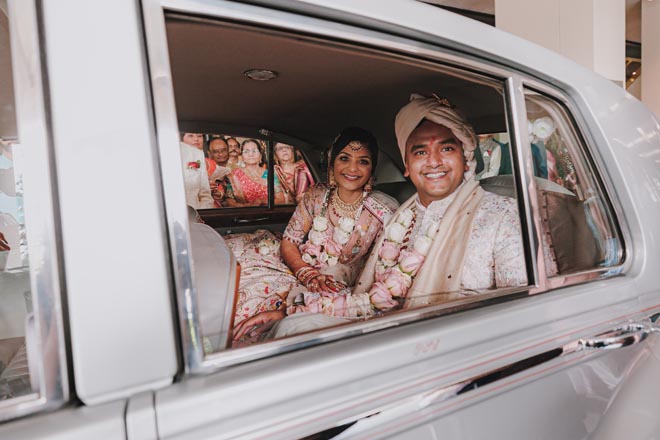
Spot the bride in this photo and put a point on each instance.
(325, 244)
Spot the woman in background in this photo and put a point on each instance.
(248, 186)
(294, 176)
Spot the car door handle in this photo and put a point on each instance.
(242, 221)
(621, 337)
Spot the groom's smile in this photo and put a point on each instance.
(434, 161)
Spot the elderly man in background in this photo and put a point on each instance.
(219, 153)
(235, 160)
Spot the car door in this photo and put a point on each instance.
(515, 363)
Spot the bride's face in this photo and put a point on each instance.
(352, 167)
(251, 154)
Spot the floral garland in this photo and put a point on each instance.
(397, 265)
(320, 248)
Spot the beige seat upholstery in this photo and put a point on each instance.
(215, 278)
(571, 240)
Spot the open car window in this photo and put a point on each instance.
(318, 88)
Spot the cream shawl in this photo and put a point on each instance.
(440, 274)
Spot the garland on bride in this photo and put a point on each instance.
(397, 264)
(320, 247)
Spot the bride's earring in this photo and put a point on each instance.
(370, 184)
(331, 177)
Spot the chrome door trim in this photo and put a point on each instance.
(41, 215)
(441, 55)
(167, 133)
(555, 358)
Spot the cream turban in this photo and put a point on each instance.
(439, 111)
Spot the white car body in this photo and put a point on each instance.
(94, 96)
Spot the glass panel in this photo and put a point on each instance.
(226, 171)
(579, 232)
(493, 156)
(474, 240)
(293, 175)
(15, 293)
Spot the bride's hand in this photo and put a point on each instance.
(325, 283)
(256, 323)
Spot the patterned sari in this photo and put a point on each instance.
(297, 183)
(245, 189)
(266, 281)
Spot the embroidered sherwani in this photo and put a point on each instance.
(494, 256)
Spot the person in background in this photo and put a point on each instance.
(219, 154)
(293, 174)
(248, 186)
(235, 160)
(195, 175)
(197, 140)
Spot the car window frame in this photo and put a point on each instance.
(49, 346)
(439, 54)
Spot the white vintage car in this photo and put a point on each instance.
(116, 310)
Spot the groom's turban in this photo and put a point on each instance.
(441, 112)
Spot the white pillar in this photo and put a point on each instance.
(591, 32)
(651, 54)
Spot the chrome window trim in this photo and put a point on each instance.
(469, 66)
(167, 134)
(524, 171)
(41, 218)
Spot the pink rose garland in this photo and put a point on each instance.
(397, 266)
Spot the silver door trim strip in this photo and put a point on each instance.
(411, 407)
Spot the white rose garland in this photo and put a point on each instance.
(319, 236)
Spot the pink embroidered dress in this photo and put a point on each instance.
(266, 281)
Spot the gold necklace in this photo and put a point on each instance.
(254, 175)
(344, 209)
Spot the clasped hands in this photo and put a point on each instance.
(315, 281)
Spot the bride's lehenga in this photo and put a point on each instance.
(267, 283)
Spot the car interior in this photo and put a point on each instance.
(275, 86)
(307, 89)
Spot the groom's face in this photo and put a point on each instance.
(434, 161)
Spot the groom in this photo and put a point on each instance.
(459, 238)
